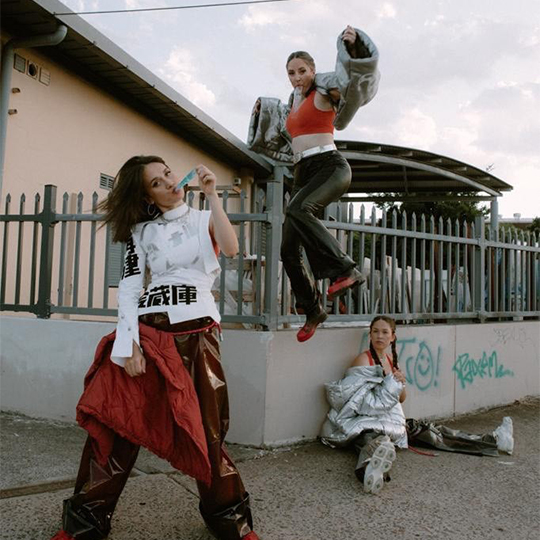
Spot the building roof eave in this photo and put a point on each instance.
(109, 66)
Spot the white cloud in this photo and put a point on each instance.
(82, 5)
(257, 17)
(310, 21)
(524, 177)
(508, 119)
(181, 72)
(416, 129)
(459, 78)
(387, 11)
(436, 21)
(453, 137)
(139, 4)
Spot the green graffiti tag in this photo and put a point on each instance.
(468, 369)
(422, 368)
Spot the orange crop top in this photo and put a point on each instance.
(372, 362)
(307, 119)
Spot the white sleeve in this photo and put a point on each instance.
(210, 260)
(129, 291)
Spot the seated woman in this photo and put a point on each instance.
(366, 407)
(366, 413)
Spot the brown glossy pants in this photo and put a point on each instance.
(224, 504)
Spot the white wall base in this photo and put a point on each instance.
(276, 385)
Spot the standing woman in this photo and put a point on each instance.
(303, 131)
(158, 381)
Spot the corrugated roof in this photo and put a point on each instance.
(96, 58)
(383, 168)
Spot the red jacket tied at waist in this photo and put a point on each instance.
(158, 410)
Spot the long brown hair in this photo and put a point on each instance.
(126, 204)
(392, 325)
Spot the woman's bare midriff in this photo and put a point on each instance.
(303, 142)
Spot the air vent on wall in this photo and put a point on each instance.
(106, 181)
(32, 70)
(44, 76)
(19, 63)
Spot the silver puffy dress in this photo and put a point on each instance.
(364, 399)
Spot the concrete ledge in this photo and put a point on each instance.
(276, 385)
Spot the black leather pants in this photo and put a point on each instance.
(318, 181)
(224, 504)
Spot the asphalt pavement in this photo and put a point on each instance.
(305, 492)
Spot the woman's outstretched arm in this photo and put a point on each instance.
(220, 226)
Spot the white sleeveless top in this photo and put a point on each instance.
(178, 250)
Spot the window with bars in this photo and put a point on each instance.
(115, 260)
(115, 251)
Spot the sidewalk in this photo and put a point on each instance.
(306, 492)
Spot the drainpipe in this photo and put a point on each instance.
(7, 67)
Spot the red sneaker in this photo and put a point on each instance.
(310, 326)
(62, 535)
(341, 284)
(250, 536)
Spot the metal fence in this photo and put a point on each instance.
(417, 269)
(421, 269)
(70, 266)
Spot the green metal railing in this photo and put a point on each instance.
(417, 269)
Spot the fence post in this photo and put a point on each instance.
(494, 215)
(48, 221)
(274, 209)
(480, 268)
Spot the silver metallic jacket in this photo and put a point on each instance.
(357, 80)
(365, 399)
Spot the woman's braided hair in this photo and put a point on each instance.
(374, 354)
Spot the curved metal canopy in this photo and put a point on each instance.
(408, 173)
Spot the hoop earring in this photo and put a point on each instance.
(151, 209)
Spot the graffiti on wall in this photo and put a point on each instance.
(468, 369)
(419, 361)
(511, 336)
(422, 362)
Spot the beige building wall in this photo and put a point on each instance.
(67, 133)
(70, 131)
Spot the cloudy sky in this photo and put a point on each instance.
(458, 77)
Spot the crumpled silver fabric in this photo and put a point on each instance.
(267, 134)
(364, 399)
(357, 80)
(424, 433)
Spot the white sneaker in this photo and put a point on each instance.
(379, 464)
(504, 435)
